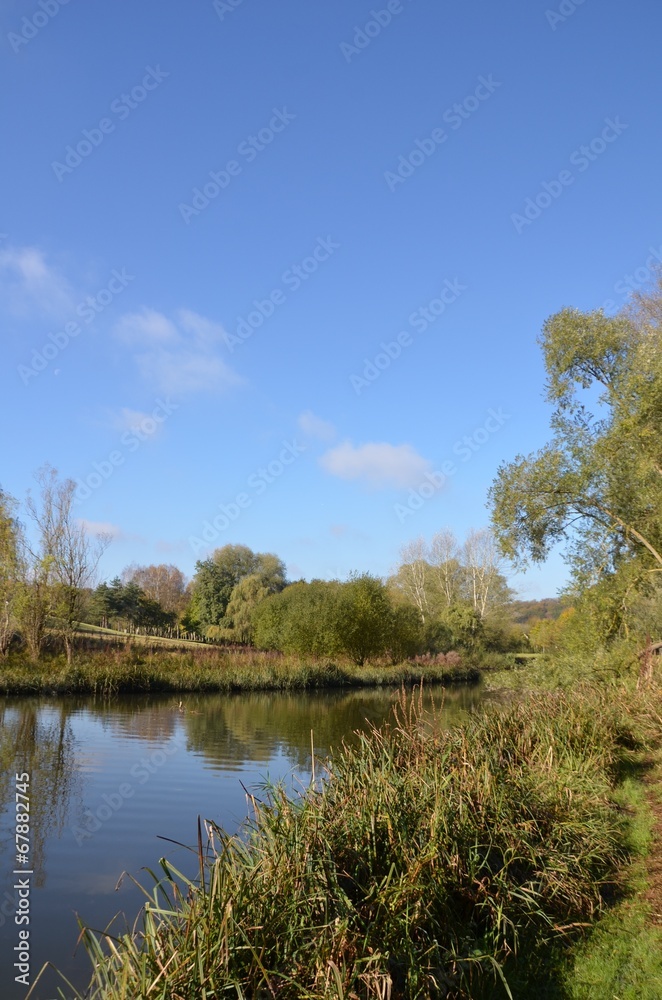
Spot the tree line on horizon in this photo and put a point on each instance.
(243, 597)
(443, 596)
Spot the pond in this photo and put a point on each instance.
(107, 780)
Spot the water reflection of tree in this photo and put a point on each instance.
(37, 739)
(146, 717)
(231, 729)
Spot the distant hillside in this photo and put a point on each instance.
(524, 612)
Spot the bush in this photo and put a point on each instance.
(355, 619)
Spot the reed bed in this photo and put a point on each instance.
(428, 863)
(140, 669)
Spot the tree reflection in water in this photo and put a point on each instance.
(37, 739)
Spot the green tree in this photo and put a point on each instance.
(364, 620)
(100, 606)
(216, 578)
(269, 618)
(546, 634)
(301, 619)
(271, 571)
(152, 617)
(465, 626)
(597, 486)
(115, 601)
(125, 603)
(244, 600)
(357, 619)
(129, 605)
(407, 635)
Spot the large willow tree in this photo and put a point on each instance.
(597, 485)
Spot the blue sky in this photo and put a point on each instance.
(274, 274)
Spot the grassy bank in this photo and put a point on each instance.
(180, 669)
(431, 863)
(622, 957)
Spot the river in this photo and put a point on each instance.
(107, 780)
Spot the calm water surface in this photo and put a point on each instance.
(107, 781)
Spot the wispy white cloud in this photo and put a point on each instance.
(177, 357)
(126, 419)
(315, 427)
(186, 371)
(137, 422)
(102, 528)
(146, 328)
(30, 287)
(376, 464)
(204, 331)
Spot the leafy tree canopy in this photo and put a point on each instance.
(357, 619)
(216, 578)
(597, 485)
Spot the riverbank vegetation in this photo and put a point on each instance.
(460, 863)
(140, 669)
